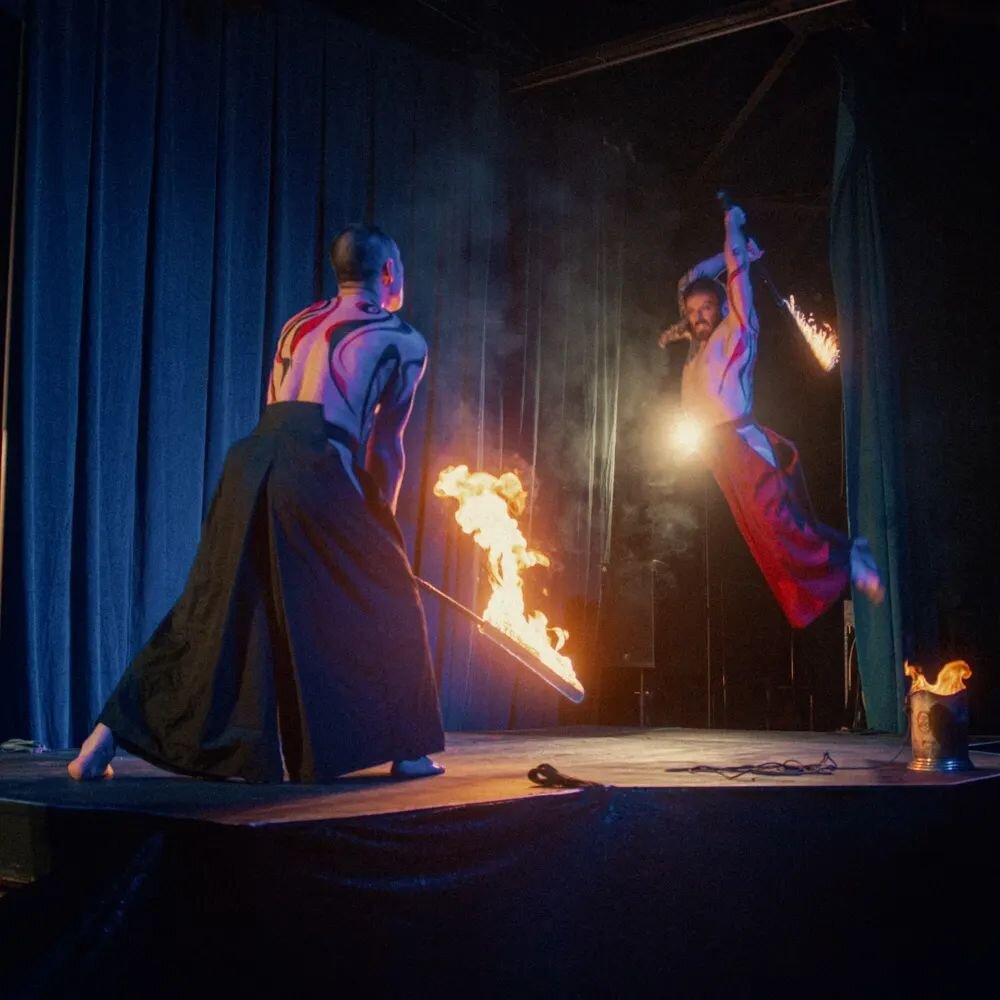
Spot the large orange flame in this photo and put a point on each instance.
(488, 506)
(951, 678)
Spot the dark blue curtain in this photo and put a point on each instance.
(876, 494)
(184, 168)
(913, 232)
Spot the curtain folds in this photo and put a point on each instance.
(876, 496)
(184, 168)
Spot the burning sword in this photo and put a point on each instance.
(820, 338)
(487, 509)
(564, 685)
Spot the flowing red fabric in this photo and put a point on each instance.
(806, 563)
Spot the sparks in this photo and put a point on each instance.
(488, 506)
(821, 338)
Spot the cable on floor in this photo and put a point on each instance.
(827, 765)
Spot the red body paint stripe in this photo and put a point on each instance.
(307, 327)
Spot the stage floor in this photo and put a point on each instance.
(490, 767)
(672, 871)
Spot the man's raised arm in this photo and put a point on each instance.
(386, 457)
(738, 255)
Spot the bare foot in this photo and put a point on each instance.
(94, 759)
(864, 572)
(420, 767)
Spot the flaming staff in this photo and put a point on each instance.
(819, 337)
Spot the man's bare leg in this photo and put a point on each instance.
(864, 571)
(419, 767)
(94, 759)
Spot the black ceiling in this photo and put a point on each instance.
(706, 89)
(525, 36)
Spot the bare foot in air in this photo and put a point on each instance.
(94, 759)
(864, 572)
(420, 767)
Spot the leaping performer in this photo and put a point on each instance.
(298, 648)
(807, 564)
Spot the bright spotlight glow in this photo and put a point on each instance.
(687, 435)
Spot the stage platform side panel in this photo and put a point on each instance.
(683, 890)
(492, 767)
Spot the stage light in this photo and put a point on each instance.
(686, 436)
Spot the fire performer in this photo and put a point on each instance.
(298, 646)
(808, 565)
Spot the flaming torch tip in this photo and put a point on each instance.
(821, 338)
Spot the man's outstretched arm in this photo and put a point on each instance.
(386, 457)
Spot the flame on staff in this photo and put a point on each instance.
(821, 338)
(487, 509)
(950, 680)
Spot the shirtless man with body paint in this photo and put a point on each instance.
(807, 564)
(359, 360)
(302, 540)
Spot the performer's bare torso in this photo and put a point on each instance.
(717, 380)
(354, 358)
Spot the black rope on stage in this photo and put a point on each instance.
(548, 777)
(793, 768)
(827, 765)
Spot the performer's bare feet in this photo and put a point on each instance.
(94, 759)
(864, 571)
(419, 767)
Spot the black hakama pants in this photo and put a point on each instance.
(298, 646)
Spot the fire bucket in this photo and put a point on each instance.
(939, 731)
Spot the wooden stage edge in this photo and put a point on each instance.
(492, 767)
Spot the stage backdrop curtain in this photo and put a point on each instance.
(184, 167)
(876, 498)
